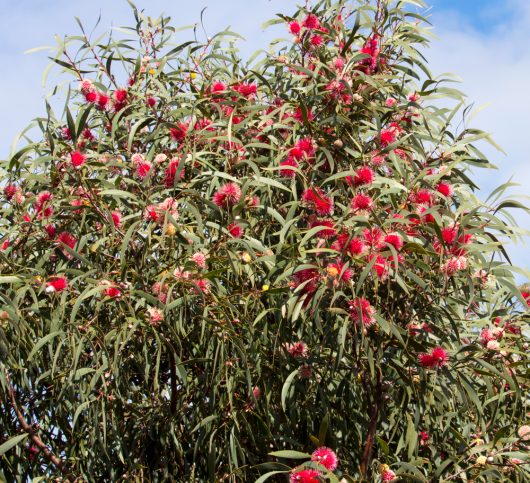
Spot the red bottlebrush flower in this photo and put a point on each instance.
(318, 201)
(308, 277)
(526, 296)
(227, 195)
(305, 476)
(424, 437)
(51, 230)
(236, 230)
(102, 101)
(204, 285)
(395, 240)
(9, 191)
(436, 358)
(298, 350)
(171, 172)
(362, 311)
(326, 457)
(298, 115)
(77, 159)
(388, 136)
(362, 202)
(56, 284)
(316, 40)
(356, 247)
(286, 166)
(67, 238)
(445, 189)
(42, 204)
(380, 265)
(120, 96)
(388, 475)
(373, 237)
(311, 22)
(296, 153)
(423, 197)
(218, 87)
(363, 176)
(449, 234)
(307, 146)
(151, 101)
(180, 132)
(87, 134)
(248, 90)
(112, 292)
(65, 134)
(325, 233)
(143, 168)
(91, 97)
(294, 27)
(116, 218)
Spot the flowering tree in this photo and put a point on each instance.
(218, 270)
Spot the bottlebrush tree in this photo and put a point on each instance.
(225, 270)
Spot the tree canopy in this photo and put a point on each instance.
(220, 269)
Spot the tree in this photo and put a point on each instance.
(220, 270)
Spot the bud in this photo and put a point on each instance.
(338, 143)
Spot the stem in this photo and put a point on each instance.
(372, 428)
(35, 438)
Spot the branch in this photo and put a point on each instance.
(35, 438)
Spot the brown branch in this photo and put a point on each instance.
(372, 428)
(35, 438)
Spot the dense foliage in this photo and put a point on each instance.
(219, 270)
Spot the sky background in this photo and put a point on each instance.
(483, 41)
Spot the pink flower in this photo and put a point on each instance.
(524, 433)
(388, 475)
(112, 292)
(316, 40)
(56, 284)
(390, 102)
(294, 27)
(326, 457)
(337, 269)
(155, 315)
(305, 371)
(204, 285)
(227, 195)
(86, 86)
(67, 238)
(199, 259)
(438, 357)
(298, 350)
(143, 169)
(362, 311)
(236, 230)
(77, 159)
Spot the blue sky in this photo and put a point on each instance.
(483, 41)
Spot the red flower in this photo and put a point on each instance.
(298, 350)
(316, 40)
(286, 170)
(362, 311)
(308, 277)
(77, 159)
(120, 96)
(236, 230)
(246, 89)
(67, 238)
(311, 22)
(362, 202)
(102, 101)
(436, 358)
(180, 132)
(445, 189)
(56, 284)
(318, 201)
(171, 172)
(294, 27)
(112, 292)
(326, 457)
(395, 240)
(227, 195)
(116, 218)
(218, 87)
(363, 176)
(305, 476)
(327, 232)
